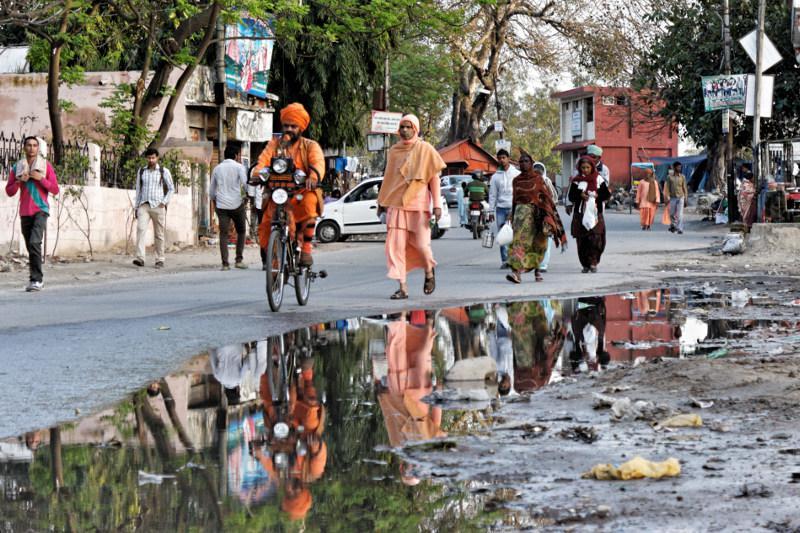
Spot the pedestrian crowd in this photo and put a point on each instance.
(521, 202)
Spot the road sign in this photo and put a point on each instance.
(765, 108)
(385, 122)
(750, 44)
(502, 144)
(498, 126)
(724, 92)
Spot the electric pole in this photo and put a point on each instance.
(733, 208)
(757, 108)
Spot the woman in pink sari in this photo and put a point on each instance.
(747, 206)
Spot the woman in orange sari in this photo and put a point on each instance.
(648, 196)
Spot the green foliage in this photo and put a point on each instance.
(692, 47)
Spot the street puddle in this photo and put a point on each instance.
(299, 430)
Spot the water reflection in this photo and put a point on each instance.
(294, 431)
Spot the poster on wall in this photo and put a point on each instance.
(247, 60)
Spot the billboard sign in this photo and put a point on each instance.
(724, 92)
(385, 122)
(247, 60)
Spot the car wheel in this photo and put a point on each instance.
(328, 231)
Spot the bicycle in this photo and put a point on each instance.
(283, 251)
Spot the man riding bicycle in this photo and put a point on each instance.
(305, 206)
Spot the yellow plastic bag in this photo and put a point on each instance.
(636, 468)
(690, 420)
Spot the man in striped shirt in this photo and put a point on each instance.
(154, 189)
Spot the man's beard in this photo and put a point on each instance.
(291, 137)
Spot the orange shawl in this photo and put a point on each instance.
(409, 167)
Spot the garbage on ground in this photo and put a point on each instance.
(478, 394)
(625, 408)
(740, 298)
(636, 468)
(754, 490)
(580, 433)
(702, 404)
(733, 244)
(718, 354)
(146, 478)
(689, 420)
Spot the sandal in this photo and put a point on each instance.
(399, 294)
(538, 276)
(430, 283)
(514, 278)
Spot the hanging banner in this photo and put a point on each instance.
(765, 107)
(247, 60)
(724, 92)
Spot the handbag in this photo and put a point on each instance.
(505, 235)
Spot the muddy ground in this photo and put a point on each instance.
(740, 470)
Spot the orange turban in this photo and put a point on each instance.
(297, 505)
(296, 114)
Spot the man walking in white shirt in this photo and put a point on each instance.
(501, 195)
(227, 181)
(154, 189)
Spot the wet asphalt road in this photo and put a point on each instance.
(77, 348)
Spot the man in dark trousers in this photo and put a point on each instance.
(227, 181)
(35, 178)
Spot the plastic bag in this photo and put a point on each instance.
(505, 235)
(636, 468)
(681, 421)
(590, 213)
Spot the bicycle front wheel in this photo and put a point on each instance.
(302, 285)
(276, 265)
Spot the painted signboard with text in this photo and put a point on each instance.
(247, 60)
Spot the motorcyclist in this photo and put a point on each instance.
(306, 205)
(478, 189)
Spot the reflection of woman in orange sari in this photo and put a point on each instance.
(408, 380)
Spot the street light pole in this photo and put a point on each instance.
(757, 104)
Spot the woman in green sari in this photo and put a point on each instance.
(534, 219)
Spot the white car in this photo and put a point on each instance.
(356, 213)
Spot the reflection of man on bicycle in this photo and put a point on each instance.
(306, 205)
(299, 457)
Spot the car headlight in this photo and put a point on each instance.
(279, 166)
(280, 196)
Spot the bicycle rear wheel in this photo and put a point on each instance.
(276, 265)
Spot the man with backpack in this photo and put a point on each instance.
(154, 189)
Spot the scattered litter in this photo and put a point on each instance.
(192, 466)
(636, 468)
(464, 395)
(374, 462)
(708, 289)
(611, 389)
(754, 490)
(162, 328)
(580, 433)
(794, 303)
(790, 451)
(733, 244)
(720, 427)
(718, 353)
(689, 420)
(602, 401)
(740, 298)
(145, 478)
(639, 360)
(702, 404)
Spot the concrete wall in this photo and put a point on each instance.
(23, 104)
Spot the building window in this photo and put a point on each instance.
(575, 105)
(588, 105)
(565, 106)
(622, 100)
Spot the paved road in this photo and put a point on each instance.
(85, 346)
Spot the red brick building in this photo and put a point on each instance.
(619, 121)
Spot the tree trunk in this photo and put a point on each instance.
(716, 171)
(169, 112)
(53, 105)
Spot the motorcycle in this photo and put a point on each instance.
(283, 182)
(477, 219)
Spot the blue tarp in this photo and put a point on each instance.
(694, 168)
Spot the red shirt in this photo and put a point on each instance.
(47, 185)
